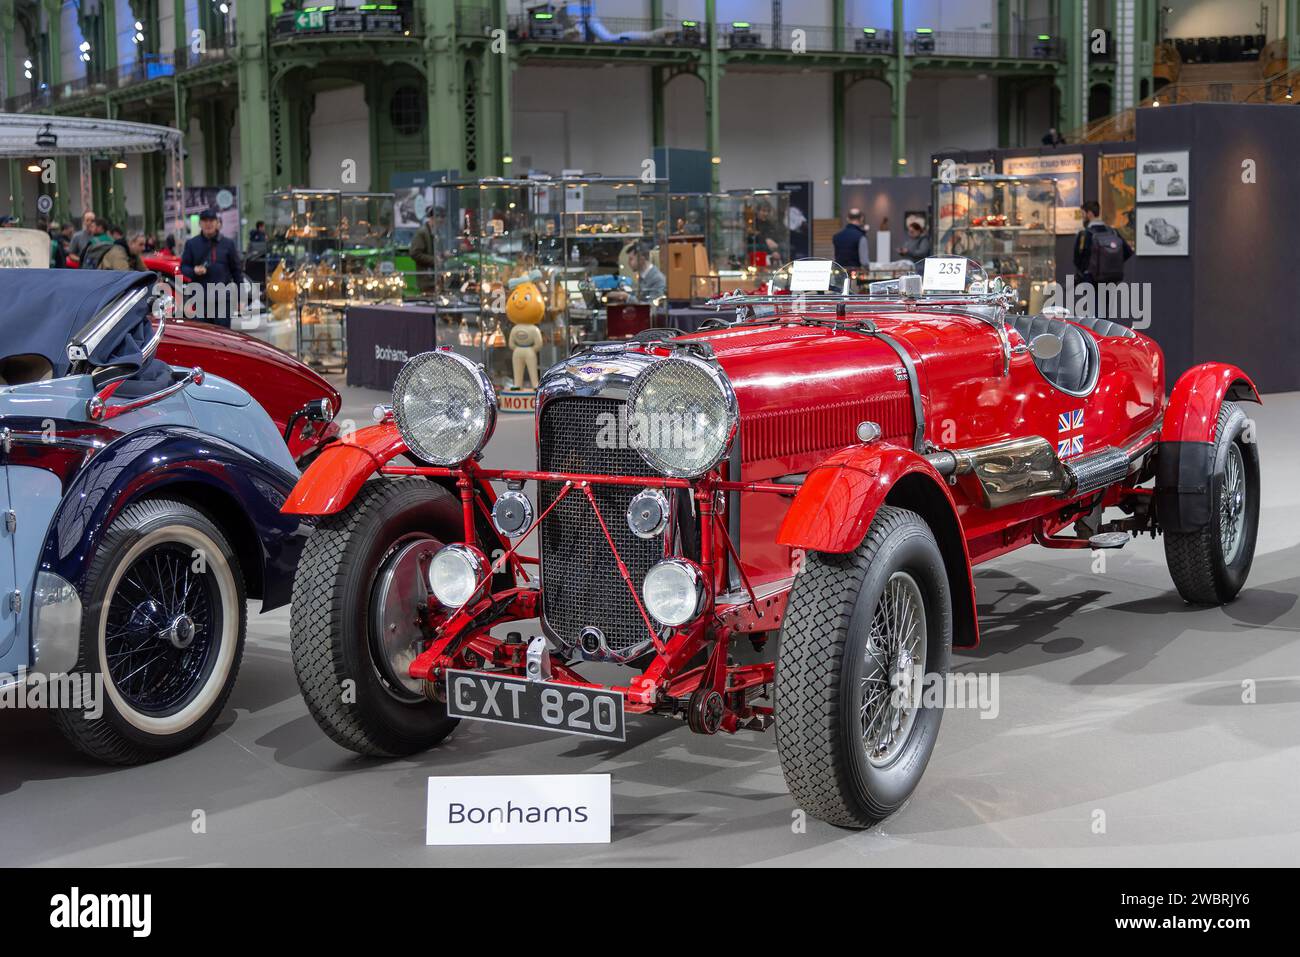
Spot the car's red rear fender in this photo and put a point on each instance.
(1193, 407)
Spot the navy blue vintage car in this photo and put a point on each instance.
(141, 509)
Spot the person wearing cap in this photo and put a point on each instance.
(211, 259)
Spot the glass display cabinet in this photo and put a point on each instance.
(746, 235)
(366, 220)
(497, 298)
(367, 254)
(587, 228)
(303, 223)
(1005, 223)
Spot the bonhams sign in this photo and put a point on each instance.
(24, 249)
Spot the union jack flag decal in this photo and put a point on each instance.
(1069, 446)
(1071, 421)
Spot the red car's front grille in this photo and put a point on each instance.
(581, 585)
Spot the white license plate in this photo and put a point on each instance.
(550, 706)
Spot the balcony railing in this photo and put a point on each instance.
(980, 45)
(1031, 40)
(151, 66)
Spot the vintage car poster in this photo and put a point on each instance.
(1162, 230)
(1067, 170)
(1118, 193)
(1163, 177)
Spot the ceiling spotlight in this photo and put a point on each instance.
(34, 168)
(120, 164)
(1155, 102)
(1288, 92)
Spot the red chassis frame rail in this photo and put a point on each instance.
(464, 638)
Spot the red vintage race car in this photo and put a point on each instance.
(821, 474)
(300, 402)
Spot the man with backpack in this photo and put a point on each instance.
(98, 246)
(1100, 252)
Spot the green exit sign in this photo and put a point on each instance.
(310, 20)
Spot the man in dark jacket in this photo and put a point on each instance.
(1100, 252)
(424, 250)
(211, 260)
(852, 251)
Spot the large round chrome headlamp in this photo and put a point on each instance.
(681, 416)
(445, 407)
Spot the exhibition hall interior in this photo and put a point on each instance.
(684, 433)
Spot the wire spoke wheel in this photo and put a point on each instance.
(163, 629)
(895, 661)
(1232, 504)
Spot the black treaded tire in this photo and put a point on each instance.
(820, 666)
(123, 734)
(332, 592)
(1196, 560)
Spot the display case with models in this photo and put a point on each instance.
(1005, 223)
(746, 234)
(497, 300)
(367, 254)
(587, 228)
(304, 223)
(366, 220)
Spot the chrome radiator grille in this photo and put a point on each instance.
(581, 585)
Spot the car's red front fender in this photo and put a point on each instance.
(839, 499)
(1198, 394)
(338, 473)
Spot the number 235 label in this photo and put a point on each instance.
(944, 274)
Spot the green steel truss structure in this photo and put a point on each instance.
(439, 91)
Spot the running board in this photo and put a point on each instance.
(1095, 542)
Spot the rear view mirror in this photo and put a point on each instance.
(1045, 346)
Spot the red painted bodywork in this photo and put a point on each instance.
(1194, 405)
(339, 471)
(163, 263)
(802, 390)
(276, 380)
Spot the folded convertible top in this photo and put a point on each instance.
(41, 310)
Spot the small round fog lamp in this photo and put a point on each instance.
(455, 574)
(674, 592)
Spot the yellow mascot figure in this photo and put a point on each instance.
(525, 309)
(282, 290)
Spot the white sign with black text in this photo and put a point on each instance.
(519, 809)
(944, 274)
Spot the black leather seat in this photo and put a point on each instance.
(1075, 368)
(1104, 327)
